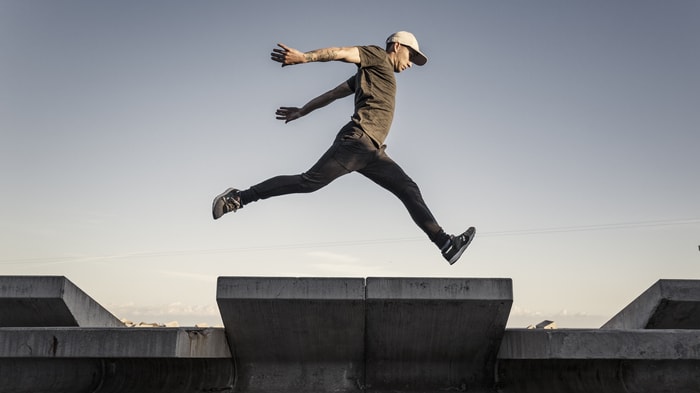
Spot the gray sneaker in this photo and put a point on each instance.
(226, 202)
(456, 246)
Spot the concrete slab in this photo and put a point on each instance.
(113, 343)
(601, 361)
(295, 334)
(35, 301)
(668, 304)
(434, 334)
(114, 360)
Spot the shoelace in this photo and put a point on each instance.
(232, 203)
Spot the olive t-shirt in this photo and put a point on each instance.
(375, 91)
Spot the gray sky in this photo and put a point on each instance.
(566, 132)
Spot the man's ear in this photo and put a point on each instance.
(393, 47)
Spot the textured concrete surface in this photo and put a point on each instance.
(434, 334)
(113, 343)
(295, 334)
(114, 360)
(35, 301)
(668, 304)
(600, 361)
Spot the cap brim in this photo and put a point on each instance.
(418, 58)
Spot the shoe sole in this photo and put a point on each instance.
(217, 199)
(461, 251)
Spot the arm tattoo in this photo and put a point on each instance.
(321, 55)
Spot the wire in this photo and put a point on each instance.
(347, 243)
(599, 227)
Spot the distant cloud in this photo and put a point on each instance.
(343, 264)
(521, 317)
(184, 314)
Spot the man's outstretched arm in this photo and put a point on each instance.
(288, 113)
(290, 56)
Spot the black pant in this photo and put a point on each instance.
(354, 150)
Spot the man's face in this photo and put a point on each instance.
(403, 58)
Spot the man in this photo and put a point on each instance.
(359, 146)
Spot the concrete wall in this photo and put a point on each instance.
(433, 334)
(114, 360)
(651, 346)
(348, 335)
(295, 334)
(599, 361)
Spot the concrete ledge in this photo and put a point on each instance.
(601, 361)
(34, 301)
(600, 344)
(113, 343)
(433, 334)
(295, 334)
(114, 360)
(668, 304)
(118, 375)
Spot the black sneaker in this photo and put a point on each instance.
(226, 202)
(456, 246)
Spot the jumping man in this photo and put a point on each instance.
(359, 146)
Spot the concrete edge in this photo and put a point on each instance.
(307, 288)
(72, 342)
(639, 313)
(85, 309)
(528, 344)
(77, 309)
(415, 288)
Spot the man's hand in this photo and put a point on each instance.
(287, 56)
(288, 113)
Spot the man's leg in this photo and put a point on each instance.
(385, 172)
(388, 174)
(350, 151)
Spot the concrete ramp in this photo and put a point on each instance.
(295, 334)
(668, 304)
(36, 301)
(600, 361)
(434, 334)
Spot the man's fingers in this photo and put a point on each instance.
(279, 54)
(285, 55)
(287, 113)
(283, 113)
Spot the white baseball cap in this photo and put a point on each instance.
(407, 39)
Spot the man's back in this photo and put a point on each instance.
(375, 93)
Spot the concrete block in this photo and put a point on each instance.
(668, 304)
(434, 334)
(103, 360)
(35, 301)
(113, 343)
(295, 334)
(601, 361)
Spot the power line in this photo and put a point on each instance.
(347, 243)
(599, 227)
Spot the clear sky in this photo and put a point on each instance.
(566, 132)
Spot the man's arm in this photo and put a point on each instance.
(289, 56)
(288, 113)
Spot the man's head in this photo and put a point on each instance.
(406, 49)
